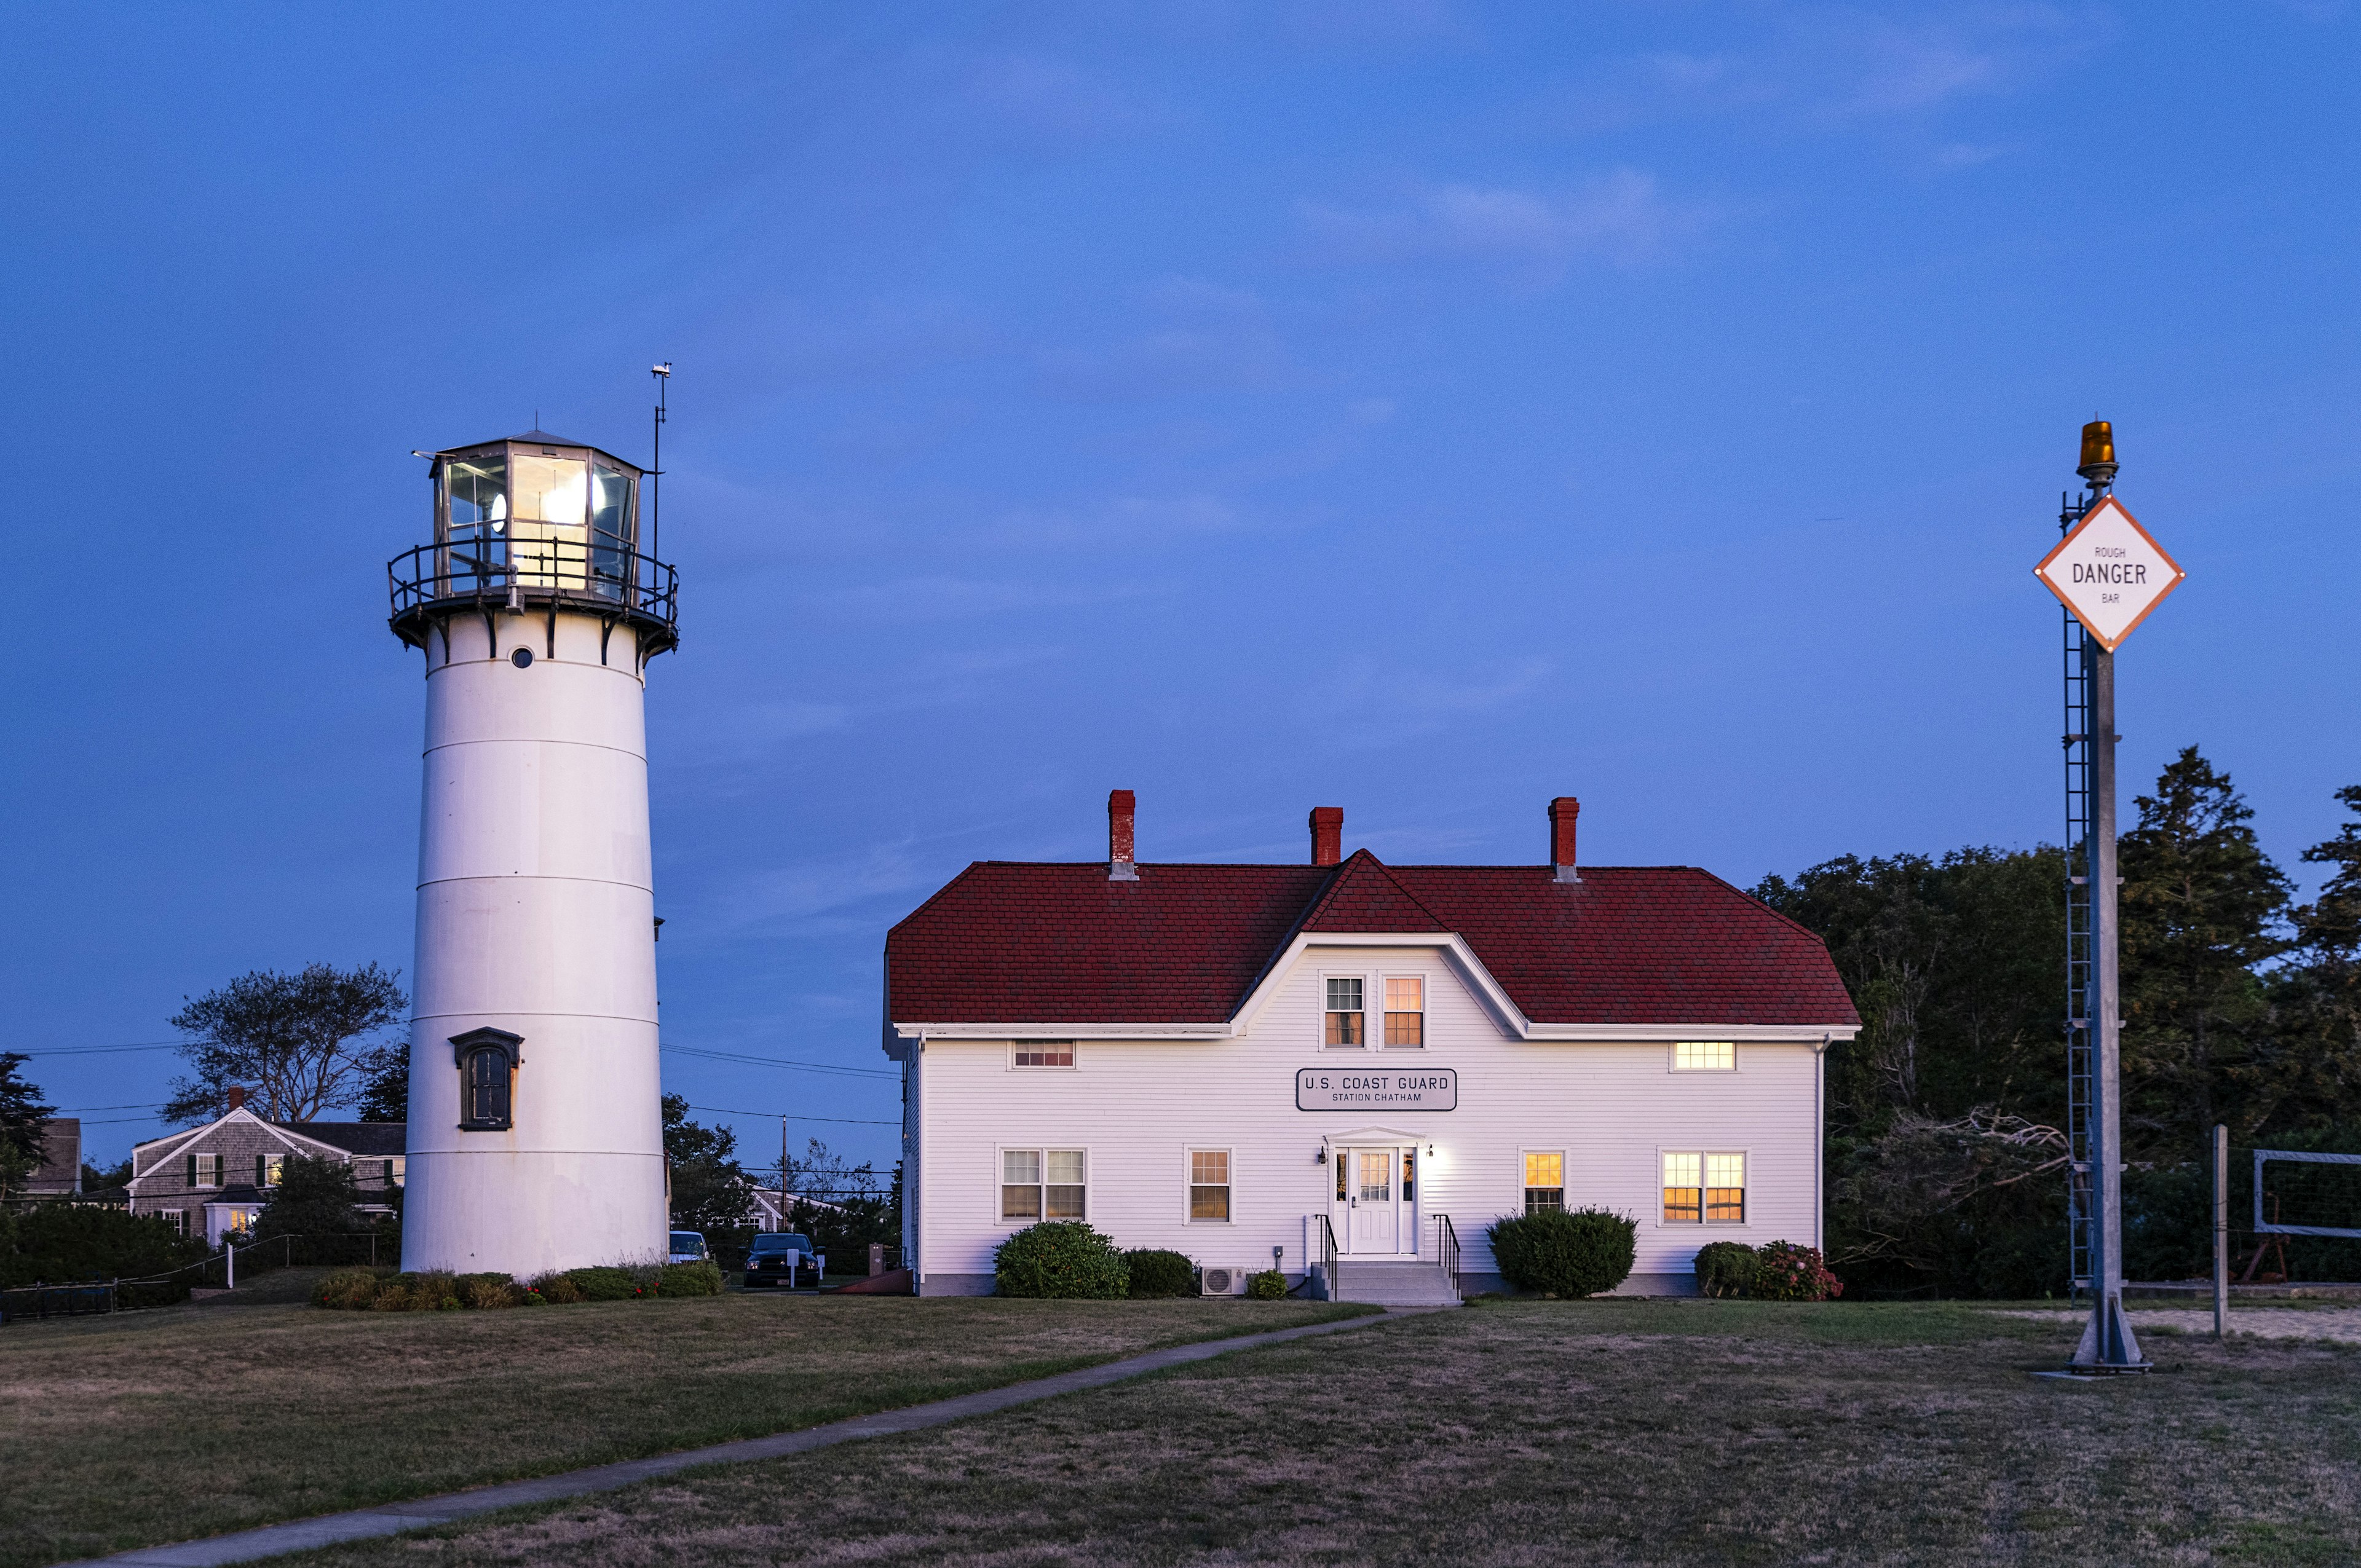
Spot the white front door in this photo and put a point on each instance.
(1375, 1205)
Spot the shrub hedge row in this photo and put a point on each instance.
(382, 1291)
(1564, 1252)
(1068, 1260)
(1775, 1271)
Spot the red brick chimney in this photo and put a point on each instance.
(1563, 811)
(1121, 806)
(1327, 835)
(237, 1097)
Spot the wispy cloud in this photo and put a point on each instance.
(1126, 519)
(949, 598)
(1622, 216)
(1190, 336)
(1420, 702)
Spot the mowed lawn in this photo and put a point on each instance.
(1550, 1433)
(161, 1425)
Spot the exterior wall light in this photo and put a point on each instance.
(1322, 1156)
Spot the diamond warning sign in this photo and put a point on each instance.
(2109, 572)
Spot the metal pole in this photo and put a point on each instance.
(2107, 1344)
(2221, 1231)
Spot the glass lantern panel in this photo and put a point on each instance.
(612, 528)
(475, 490)
(548, 532)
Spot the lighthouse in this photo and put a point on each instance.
(535, 1138)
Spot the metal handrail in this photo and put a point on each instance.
(1329, 1259)
(1446, 1248)
(477, 573)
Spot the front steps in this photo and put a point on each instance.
(1415, 1284)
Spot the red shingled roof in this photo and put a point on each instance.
(1013, 942)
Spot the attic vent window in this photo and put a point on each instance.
(1045, 1053)
(487, 1061)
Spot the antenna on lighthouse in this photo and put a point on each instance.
(663, 373)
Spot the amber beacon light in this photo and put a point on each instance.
(2098, 464)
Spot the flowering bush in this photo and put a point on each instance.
(1785, 1272)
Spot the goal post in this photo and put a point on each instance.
(2307, 1194)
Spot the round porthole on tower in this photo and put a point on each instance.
(521, 658)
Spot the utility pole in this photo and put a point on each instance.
(2221, 1231)
(2110, 573)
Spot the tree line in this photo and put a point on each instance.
(1947, 1114)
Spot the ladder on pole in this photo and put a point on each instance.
(2080, 974)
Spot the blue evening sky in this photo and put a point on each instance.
(1418, 408)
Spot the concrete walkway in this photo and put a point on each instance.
(425, 1513)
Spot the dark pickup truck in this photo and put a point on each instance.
(777, 1256)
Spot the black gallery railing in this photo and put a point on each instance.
(595, 574)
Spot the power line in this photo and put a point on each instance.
(784, 1116)
(78, 1110)
(782, 1061)
(107, 1050)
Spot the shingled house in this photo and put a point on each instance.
(1258, 1063)
(214, 1179)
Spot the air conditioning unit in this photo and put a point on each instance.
(1221, 1281)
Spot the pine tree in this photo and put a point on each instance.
(2203, 909)
(2318, 993)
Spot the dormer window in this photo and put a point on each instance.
(487, 1061)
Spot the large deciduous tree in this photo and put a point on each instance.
(709, 1192)
(298, 1043)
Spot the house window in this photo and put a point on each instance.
(1544, 1182)
(1705, 1055)
(1705, 1188)
(396, 1169)
(266, 1168)
(1405, 1012)
(1345, 1013)
(1042, 1184)
(1045, 1053)
(488, 1060)
(176, 1218)
(204, 1170)
(1209, 1184)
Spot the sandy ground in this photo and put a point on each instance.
(2340, 1323)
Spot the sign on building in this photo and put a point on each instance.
(1357, 1088)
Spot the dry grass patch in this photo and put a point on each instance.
(153, 1427)
(1590, 1433)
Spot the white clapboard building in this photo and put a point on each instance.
(1254, 1064)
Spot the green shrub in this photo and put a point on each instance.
(1786, 1272)
(1726, 1269)
(604, 1284)
(1270, 1284)
(1060, 1258)
(555, 1290)
(488, 1290)
(348, 1290)
(689, 1279)
(58, 1243)
(1564, 1252)
(1156, 1272)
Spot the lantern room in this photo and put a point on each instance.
(538, 521)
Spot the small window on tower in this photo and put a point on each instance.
(488, 1060)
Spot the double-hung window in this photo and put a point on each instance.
(204, 1170)
(1043, 1184)
(1209, 1185)
(1405, 1012)
(1544, 1181)
(267, 1168)
(397, 1171)
(1705, 1188)
(1344, 1014)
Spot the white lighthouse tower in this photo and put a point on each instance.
(535, 1132)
